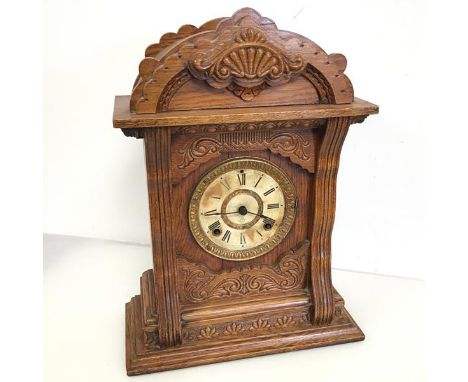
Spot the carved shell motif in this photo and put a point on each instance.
(250, 62)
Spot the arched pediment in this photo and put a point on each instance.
(242, 55)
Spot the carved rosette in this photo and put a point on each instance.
(197, 283)
(245, 65)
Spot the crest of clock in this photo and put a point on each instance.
(243, 125)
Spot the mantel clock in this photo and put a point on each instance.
(243, 125)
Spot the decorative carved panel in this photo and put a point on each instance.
(170, 38)
(189, 153)
(197, 283)
(251, 126)
(246, 327)
(244, 54)
(249, 62)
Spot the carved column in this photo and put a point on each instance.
(157, 148)
(324, 215)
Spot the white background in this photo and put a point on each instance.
(442, 61)
(94, 177)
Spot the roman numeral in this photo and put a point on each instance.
(267, 220)
(258, 181)
(215, 225)
(216, 197)
(272, 205)
(227, 236)
(225, 184)
(266, 193)
(259, 233)
(242, 238)
(241, 178)
(210, 212)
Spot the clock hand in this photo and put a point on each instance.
(261, 215)
(218, 213)
(268, 222)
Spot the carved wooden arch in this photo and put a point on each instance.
(170, 38)
(244, 53)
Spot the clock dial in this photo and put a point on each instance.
(242, 209)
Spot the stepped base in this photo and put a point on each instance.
(248, 339)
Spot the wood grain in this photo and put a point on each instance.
(196, 94)
(123, 118)
(219, 348)
(323, 212)
(157, 149)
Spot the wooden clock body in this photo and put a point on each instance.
(237, 88)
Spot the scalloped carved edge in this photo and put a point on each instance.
(197, 283)
(170, 38)
(204, 54)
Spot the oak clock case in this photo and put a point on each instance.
(243, 126)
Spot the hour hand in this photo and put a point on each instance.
(213, 213)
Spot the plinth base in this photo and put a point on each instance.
(142, 359)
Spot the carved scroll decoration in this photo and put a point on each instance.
(198, 283)
(249, 62)
(247, 94)
(298, 147)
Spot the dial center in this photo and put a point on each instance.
(241, 209)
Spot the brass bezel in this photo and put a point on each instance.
(238, 163)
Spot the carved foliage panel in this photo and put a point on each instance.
(189, 151)
(198, 284)
(249, 327)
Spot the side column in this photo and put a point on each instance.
(158, 154)
(324, 216)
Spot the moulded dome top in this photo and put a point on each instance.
(238, 62)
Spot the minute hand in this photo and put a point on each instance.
(261, 215)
